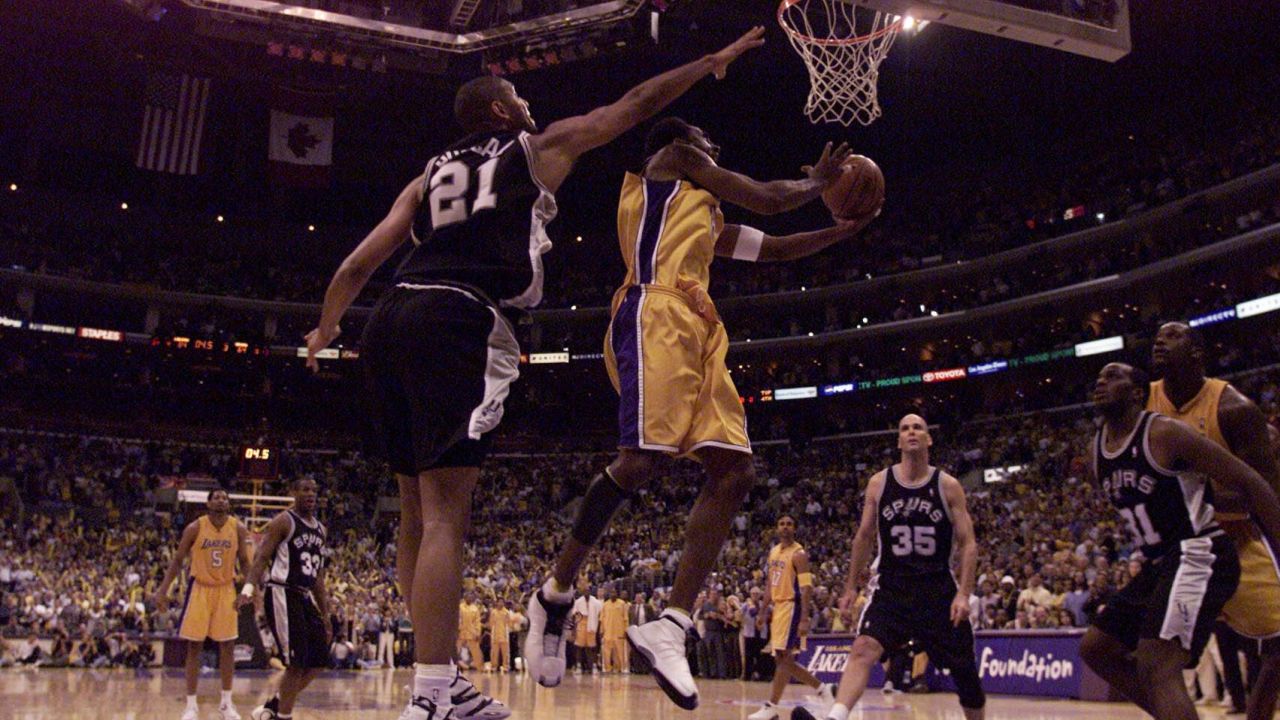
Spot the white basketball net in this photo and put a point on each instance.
(842, 49)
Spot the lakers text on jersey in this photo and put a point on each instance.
(209, 610)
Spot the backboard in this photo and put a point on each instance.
(1093, 28)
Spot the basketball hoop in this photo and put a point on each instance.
(842, 46)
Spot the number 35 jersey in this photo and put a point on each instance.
(914, 531)
(300, 556)
(482, 220)
(1161, 507)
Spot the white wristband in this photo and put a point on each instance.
(247, 590)
(750, 240)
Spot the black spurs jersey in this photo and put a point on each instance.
(482, 221)
(914, 532)
(300, 556)
(1161, 507)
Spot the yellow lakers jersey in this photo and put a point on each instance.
(213, 556)
(783, 583)
(613, 618)
(469, 620)
(667, 230)
(1200, 412)
(499, 624)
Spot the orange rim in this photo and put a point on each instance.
(785, 5)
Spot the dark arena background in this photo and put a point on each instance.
(180, 179)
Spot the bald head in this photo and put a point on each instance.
(913, 434)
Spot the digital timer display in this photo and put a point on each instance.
(259, 463)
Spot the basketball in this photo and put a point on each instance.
(858, 192)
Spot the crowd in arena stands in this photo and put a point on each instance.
(55, 381)
(943, 222)
(80, 556)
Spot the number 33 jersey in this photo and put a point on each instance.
(1161, 507)
(300, 556)
(482, 220)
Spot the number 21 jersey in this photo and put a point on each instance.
(482, 221)
(1161, 507)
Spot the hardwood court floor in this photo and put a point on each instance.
(380, 695)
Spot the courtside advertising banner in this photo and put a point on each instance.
(1039, 664)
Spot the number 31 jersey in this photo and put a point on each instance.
(300, 556)
(914, 531)
(482, 220)
(1161, 507)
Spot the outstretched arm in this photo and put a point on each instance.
(557, 148)
(1178, 447)
(741, 242)
(360, 265)
(763, 197)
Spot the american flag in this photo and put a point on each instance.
(173, 124)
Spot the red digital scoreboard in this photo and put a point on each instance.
(259, 463)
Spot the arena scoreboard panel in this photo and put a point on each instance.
(258, 462)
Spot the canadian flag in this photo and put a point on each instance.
(301, 144)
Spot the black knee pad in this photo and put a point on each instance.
(602, 500)
(969, 687)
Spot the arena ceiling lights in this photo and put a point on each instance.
(399, 34)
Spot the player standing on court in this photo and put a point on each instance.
(790, 586)
(1224, 415)
(439, 354)
(1153, 470)
(214, 542)
(294, 598)
(665, 353)
(915, 514)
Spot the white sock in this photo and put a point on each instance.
(432, 682)
(191, 701)
(680, 616)
(550, 592)
(838, 712)
(226, 698)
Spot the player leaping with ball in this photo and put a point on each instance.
(666, 356)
